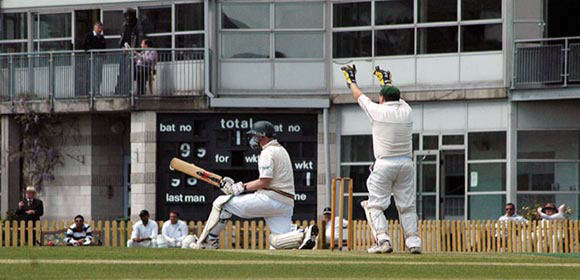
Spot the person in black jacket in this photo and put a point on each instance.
(94, 41)
(131, 35)
(30, 209)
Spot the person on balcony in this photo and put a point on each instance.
(94, 41)
(131, 35)
(145, 61)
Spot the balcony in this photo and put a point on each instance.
(549, 63)
(108, 80)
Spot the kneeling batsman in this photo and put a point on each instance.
(272, 200)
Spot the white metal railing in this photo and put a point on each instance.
(104, 73)
(546, 62)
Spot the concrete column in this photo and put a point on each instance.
(10, 187)
(143, 163)
(323, 196)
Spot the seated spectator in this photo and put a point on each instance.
(174, 233)
(327, 212)
(79, 233)
(511, 215)
(144, 233)
(550, 212)
(145, 61)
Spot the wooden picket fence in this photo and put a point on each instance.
(437, 236)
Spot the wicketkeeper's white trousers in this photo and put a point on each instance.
(394, 176)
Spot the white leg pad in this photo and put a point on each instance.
(162, 242)
(289, 240)
(214, 216)
(376, 220)
(187, 241)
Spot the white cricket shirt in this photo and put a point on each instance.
(177, 231)
(514, 217)
(274, 162)
(142, 231)
(392, 124)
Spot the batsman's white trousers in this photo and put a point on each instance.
(394, 176)
(257, 205)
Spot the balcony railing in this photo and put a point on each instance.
(546, 62)
(98, 74)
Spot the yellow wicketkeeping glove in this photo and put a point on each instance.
(385, 77)
(349, 72)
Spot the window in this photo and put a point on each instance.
(351, 14)
(437, 10)
(183, 30)
(296, 29)
(189, 25)
(437, 40)
(395, 30)
(548, 168)
(156, 22)
(481, 37)
(487, 145)
(393, 12)
(53, 32)
(430, 142)
(394, 42)
(113, 23)
(14, 32)
(480, 9)
(305, 15)
(487, 179)
(351, 44)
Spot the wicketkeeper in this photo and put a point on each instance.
(392, 172)
(272, 200)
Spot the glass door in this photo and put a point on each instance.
(427, 167)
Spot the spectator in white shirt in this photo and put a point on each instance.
(550, 212)
(327, 212)
(144, 233)
(79, 233)
(174, 233)
(511, 215)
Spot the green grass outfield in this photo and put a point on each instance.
(121, 263)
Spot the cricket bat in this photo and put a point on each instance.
(196, 172)
(209, 177)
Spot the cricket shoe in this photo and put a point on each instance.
(415, 250)
(383, 246)
(310, 238)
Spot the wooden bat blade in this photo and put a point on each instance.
(195, 171)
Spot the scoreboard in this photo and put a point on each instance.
(218, 143)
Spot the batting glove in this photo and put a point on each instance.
(226, 181)
(385, 77)
(235, 189)
(349, 72)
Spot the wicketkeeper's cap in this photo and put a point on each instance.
(327, 211)
(390, 92)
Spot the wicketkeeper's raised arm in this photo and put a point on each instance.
(349, 72)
